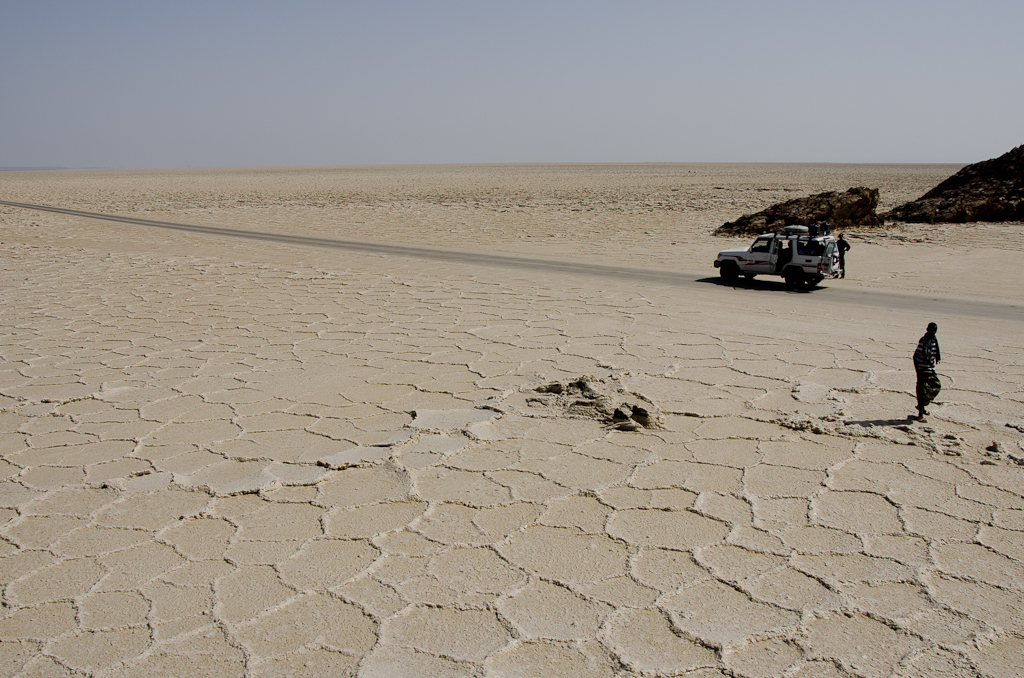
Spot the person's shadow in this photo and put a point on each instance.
(910, 419)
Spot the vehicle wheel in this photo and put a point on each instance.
(730, 272)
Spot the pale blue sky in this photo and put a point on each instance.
(208, 83)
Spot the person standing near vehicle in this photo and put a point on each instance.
(843, 247)
(925, 358)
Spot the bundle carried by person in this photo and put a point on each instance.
(931, 388)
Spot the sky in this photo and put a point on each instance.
(225, 83)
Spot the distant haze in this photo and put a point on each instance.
(129, 84)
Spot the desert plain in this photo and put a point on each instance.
(352, 426)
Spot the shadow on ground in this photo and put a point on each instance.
(760, 284)
(909, 419)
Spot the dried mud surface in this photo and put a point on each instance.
(229, 457)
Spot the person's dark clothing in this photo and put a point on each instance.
(927, 353)
(843, 247)
(925, 357)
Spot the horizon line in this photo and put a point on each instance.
(53, 168)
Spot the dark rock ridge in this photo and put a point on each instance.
(855, 207)
(992, 190)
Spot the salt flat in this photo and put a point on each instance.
(234, 456)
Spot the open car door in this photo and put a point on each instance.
(830, 260)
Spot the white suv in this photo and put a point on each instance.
(802, 255)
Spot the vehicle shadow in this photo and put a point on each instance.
(759, 284)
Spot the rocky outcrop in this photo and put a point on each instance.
(992, 190)
(855, 207)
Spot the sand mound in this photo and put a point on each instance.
(601, 399)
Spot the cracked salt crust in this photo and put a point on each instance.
(262, 459)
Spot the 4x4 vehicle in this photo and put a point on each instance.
(803, 256)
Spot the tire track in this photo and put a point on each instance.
(939, 305)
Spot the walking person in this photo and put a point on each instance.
(925, 358)
(843, 248)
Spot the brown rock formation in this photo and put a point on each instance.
(992, 190)
(855, 207)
